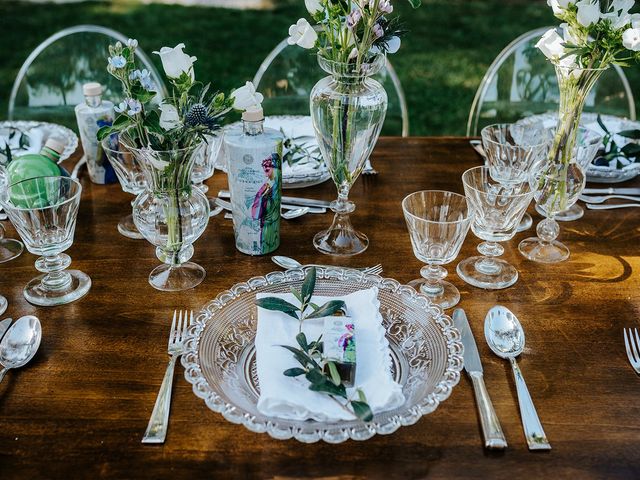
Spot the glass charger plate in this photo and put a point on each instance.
(40, 132)
(220, 359)
(597, 174)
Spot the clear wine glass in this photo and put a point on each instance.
(3, 304)
(131, 177)
(44, 211)
(497, 212)
(9, 248)
(204, 167)
(512, 149)
(588, 144)
(438, 223)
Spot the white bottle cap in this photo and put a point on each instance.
(253, 114)
(92, 89)
(55, 145)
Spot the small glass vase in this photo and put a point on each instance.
(171, 215)
(561, 182)
(348, 108)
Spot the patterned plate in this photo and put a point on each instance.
(38, 133)
(220, 359)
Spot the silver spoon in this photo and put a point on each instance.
(20, 343)
(285, 262)
(505, 337)
(3, 304)
(295, 213)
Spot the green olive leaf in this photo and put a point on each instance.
(294, 372)
(309, 285)
(335, 376)
(328, 309)
(362, 410)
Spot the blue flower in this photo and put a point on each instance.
(121, 107)
(117, 61)
(144, 77)
(135, 107)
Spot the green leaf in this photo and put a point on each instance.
(634, 134)
(315, 376)
(362, 410)
(314, 306)
(302, 341)
(335, 376)
(330, 388)
(309, 285)
(296, 294)
(300, 356)
(361, 395)
(415, 3)
(294, 372)
(602, 125)
(631, 149)
(328, 309)
(277, 305)
(104, 132)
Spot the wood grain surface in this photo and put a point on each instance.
(80, 408)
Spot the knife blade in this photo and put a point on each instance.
(227, 206)
(493, 436)
(613, 191)
(4, 326)
(301, 202)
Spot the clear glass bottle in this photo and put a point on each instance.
(254, 157)
(92, 115)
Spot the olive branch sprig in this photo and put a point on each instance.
(310, 354)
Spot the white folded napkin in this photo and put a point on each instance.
(290, 398)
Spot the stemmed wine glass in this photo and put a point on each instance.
(512, 149)
(497, 212)
(588, 143)
(9, 248)
(131, 177)
(44, 211)
(204, 166)
(438, 223)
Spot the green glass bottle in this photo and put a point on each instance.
(34, 165)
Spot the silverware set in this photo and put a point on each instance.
(595, 198)
(289, 263)
(292, 207)
(632, 344)
(505, 336)
(18, 342)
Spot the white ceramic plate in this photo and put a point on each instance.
(38, 133)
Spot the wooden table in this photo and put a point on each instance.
(80, 408)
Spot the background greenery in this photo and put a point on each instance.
(450, 45)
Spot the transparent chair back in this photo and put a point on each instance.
(49, 83)
(289, 72)
(521, 82)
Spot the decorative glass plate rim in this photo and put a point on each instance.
(64, 132)
(412, 414)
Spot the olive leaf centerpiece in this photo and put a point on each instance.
(321, 372)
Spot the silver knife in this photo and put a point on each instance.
(493, 436)
(301, 202)
(4, 326)
(613, 191)
(228, 207)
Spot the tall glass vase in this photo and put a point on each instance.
(347, 109)
(560, 183)
(171, 214)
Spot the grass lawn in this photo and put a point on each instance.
(441, 62)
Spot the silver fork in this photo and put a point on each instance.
(159, 421)
(633, 348)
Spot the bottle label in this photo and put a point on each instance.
(90, 120)
(255, 182)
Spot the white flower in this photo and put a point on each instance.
(635, 20)
(631, 39)
(385, 6)
(570, 61)
(169, 117)
(354, 17)
(121, 107)
(393, 45)
(175, 62)
(353, 54)
(246, 97)
(621, 6)
(558, 5)
(378, 31)
(551, 45)
(588, 12)
(132, 43)
(117, 61)
(567, 34)
(302, 34)
(617, 21)
(313, 6)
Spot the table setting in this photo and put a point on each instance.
(303, 348)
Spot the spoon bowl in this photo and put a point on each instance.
(291, 214)
(286, 262)
(503, 332)
(20, 343)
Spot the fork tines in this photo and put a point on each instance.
(632, 343)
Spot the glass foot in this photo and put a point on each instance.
(78, 286)
(525, 223)
(177, 278)
(10, 249)
(341, 238)
(127, 228)
(543, 252)
(3, 304)
(569, 215)
(447, 297)
(502, 274)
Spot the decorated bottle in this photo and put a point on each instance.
(91, 115)
(254, 158)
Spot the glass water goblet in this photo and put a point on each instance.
(206, 156)
(131, 177)
(9, 248)
(588, 144)
(513, 152)
(44, 211)
(497, 211)
(438, 223)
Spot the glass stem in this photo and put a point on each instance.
(548, 230)
(487, 264)
(433, 275)
(343, 205)
(53, 266)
